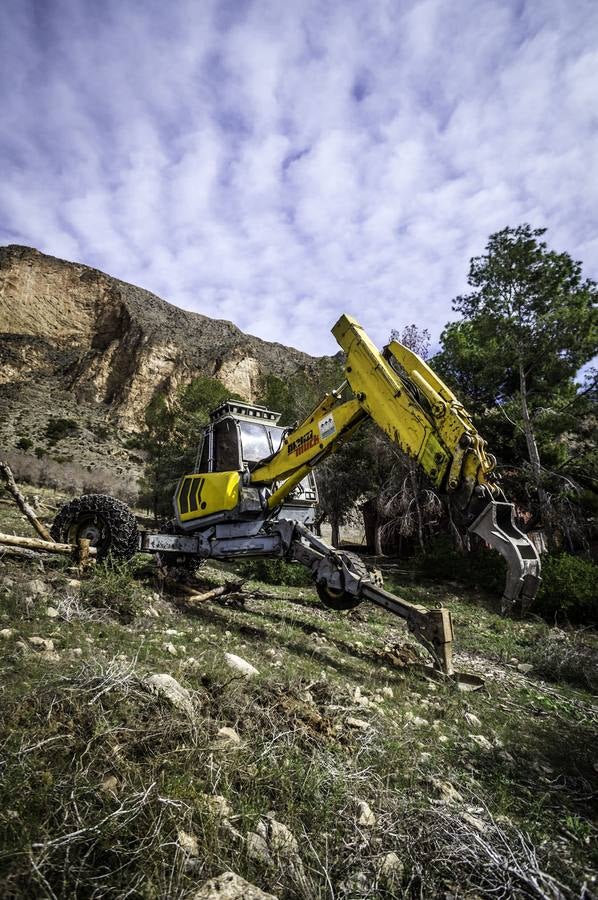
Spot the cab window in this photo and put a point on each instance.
(226, 446)
(256, 445)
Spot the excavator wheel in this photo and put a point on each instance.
(107, 523)
(337, 598)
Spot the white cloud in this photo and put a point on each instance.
(277, 164)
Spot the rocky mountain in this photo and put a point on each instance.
(80, 345)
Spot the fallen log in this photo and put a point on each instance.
(82, 549)
(192, 595)
(26, 509)
(21, 553)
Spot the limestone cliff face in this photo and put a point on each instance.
(108, 343)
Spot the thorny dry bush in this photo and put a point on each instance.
(478, 854)
(71, 477)
(567, 658)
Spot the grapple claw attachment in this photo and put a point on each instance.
(496, 526)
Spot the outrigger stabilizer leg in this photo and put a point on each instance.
(341, 572)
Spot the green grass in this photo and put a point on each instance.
(76, 716)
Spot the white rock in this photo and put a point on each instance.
(7, 633)
(418, 722)
(357, 723)
(524, 668)
(391, 866)
(472, 720)
(74, 584)
(188, 842)
(481, 741)
(36, 587)
(41, 643)
(168, 687)
(170, 648)
(230, 886)
(52, 612)
(387, 692)
(365, 816)
(76, 651)
(240, 664)
(228, 735)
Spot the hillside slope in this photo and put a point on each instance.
(78, 344)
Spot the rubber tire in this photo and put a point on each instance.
(337, 599)
(119, 533)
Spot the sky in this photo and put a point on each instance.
(279, 162)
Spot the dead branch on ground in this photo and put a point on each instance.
(26, 509)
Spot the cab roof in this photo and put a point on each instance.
(245, 411)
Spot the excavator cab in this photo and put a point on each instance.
(241, 436)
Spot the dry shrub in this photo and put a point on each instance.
(564, 657)
(70, 477)
(476, 856)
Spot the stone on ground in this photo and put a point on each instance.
(228, 736)
(188, 842)
(365, 816)
(166, 686)
(240, 664)
(230, 886)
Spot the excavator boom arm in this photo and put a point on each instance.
(419, 413)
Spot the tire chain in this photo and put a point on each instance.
(116, 515)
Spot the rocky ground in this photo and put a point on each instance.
(261, 746)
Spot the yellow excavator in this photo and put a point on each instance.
(253, 492)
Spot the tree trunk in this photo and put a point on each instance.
(457, 538)
(415, 491)
(378, 538)
(335, 537)
(530, 438)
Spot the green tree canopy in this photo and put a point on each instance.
(528, 326)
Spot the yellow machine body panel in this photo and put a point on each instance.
(203, 495)
(444, 441)
(325, 426)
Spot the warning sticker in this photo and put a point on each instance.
(327, 427)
